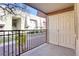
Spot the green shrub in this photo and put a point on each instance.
(0, 41)
(22, 39)
(32, 32)
(37, 31)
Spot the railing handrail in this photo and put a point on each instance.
(21, 30)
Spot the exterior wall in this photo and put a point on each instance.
(7, 19)
(29, 17)
(77, 27)
(23, 23)
(24, 17)
(8, 22)
(39, 20)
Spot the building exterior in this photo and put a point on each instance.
(21, 21)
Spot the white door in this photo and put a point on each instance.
(61, 29)
(53, 29)
(66, 30)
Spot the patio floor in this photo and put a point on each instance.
(50, 50)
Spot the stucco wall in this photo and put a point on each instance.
(38, 19)
(77, 27)
(8, 22)
(23, 16)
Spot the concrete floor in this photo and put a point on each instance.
(50, 50)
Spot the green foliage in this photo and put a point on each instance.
(0, 41)
(34, 31)
(37, 31)
(22, 39)
(6, 40)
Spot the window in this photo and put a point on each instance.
(33, 23)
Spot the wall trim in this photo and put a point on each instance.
(61, 11)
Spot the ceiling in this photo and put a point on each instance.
(50, 7)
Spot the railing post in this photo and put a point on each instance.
(15, 33)
(8, 43)
(4, 43)
(19, 41)
(22, 42)
(12, 44)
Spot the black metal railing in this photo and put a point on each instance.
(16, 42)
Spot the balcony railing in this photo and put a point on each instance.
(16, 42)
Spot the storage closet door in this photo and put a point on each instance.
(53, 29)
(66, 30)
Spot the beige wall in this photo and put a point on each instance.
(7, 19)
(8, 22)
(39, 20)
(61, 29)
(77, 27)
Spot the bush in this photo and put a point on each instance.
(22, 39)
(37, 31)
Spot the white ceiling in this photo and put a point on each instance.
(50, 7)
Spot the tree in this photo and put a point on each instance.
(12, 7)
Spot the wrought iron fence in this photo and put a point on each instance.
(16, 42)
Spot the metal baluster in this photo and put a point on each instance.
(8, 43)
(3, 43)
(29, 41)
(22, 43)
(12, 45)
(25, 41)
(19, 41)
(15, 37)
